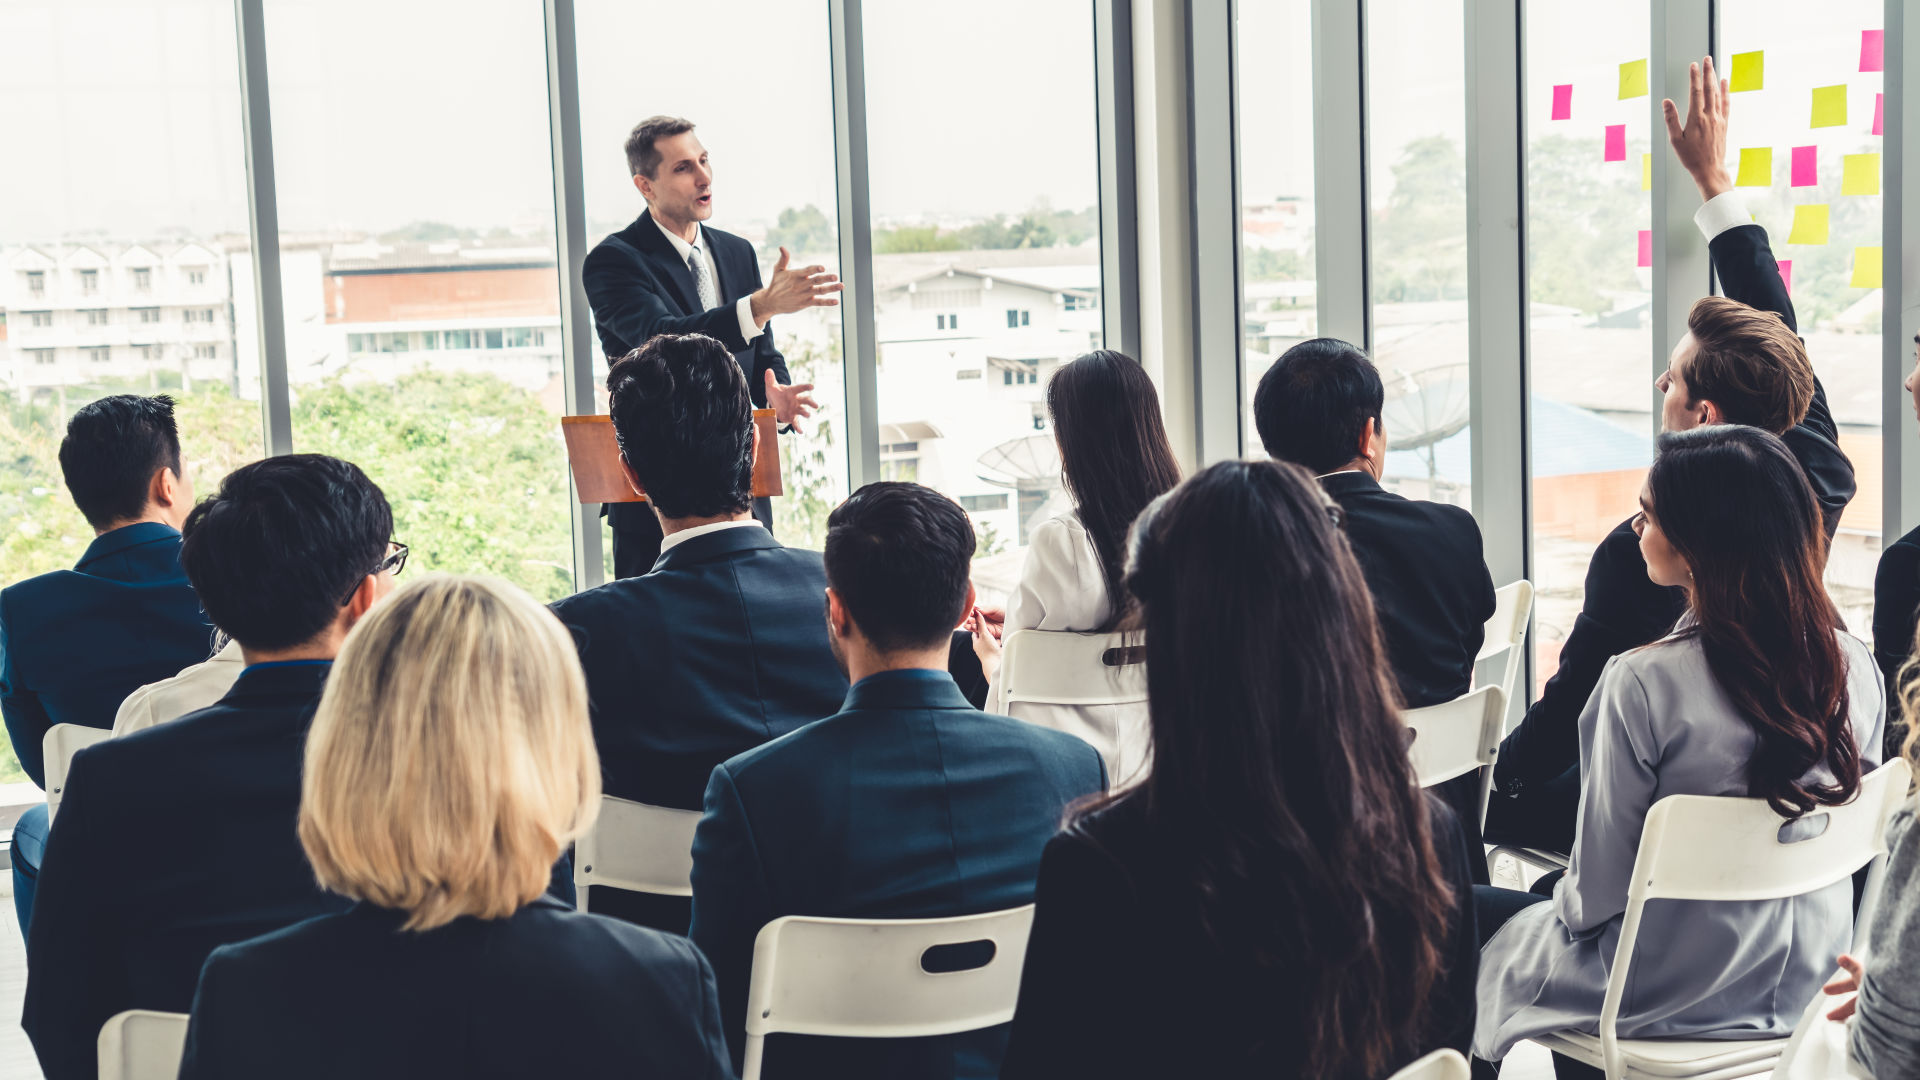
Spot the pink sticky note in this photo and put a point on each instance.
(1873, 50)
(1646, 248)
(1616, 142)
(1563, 101)
(1879, 114)
(1806, 168)
(1786, 273)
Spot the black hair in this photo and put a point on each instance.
(113, 448)
(900, 557)
(685, 423)
(1313, 404)
(277, 552)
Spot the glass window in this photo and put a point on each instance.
(496, 339)
(410, 248)
(143, 279)
(89, 282)
(459, 339)
(1838, 313)
(1590, 326)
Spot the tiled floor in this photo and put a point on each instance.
(16, 1054)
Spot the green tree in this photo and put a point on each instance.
(1582, 221)
(813, 486)
(910, 238)
(804, 229)
(1419, 243)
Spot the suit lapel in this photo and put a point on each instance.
(646, 238)
(721, 277)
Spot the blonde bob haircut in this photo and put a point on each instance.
(451, 760)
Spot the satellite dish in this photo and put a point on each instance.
(1425, 408)
(1029, 462)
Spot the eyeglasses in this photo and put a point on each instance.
(395, 561)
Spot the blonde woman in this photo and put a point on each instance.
(449, 765)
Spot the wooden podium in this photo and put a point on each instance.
(595, 456)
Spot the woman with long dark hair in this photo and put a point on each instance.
(1114, 460)
(1276, 897)
(1758, 692)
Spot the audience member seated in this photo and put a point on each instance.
(720, 648)
(449, 766)
(907, 803)
(193, 689)
(73, 643)
(1759, 693)
(1114, 460)
(1896, 600)
(1277, 897)
(178, 839)
(1740, 362)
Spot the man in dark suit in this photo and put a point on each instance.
(907, 803)
(1740, 362)
(74, 643)
(668, 274)
(721, 647)
(175, 840)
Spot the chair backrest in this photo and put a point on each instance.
(637, 847)
(1061, 667)
(141, 1044)
(57, 748)
(1443, 1064)
(1456, 737)
(1700, 847)
(1506, 631)
(869, 978)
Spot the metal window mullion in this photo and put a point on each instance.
(855, 227)
(1682, 32)
(577, 342)
(1213, 180)
(263, 226)
(1340, 180)
(1119, 201)
(1900, 291)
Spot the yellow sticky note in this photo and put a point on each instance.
(1646, 172)
(1830, 106)
(1861, 175)
(1756, 167)
(1809, 224)
(1749, 72)
(1866, 268)
(1633, 79)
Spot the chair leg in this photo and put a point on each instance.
(750, 1067)
(580, 896)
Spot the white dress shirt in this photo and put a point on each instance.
(1720, 213)
(743, 307)
(171, 698)
(673, 540)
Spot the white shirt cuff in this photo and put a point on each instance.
(1720, 213)
(744, 308)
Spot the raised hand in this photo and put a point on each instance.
(788, 291)
(790, 403)
(1701, 145)
(1846, 982)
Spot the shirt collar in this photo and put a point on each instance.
(668, 543)
(127, 536)
(679, 242)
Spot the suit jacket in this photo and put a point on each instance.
(1622, 609)
(75, 643)
(907, 803)
(638, 286)
(1896, 607)
(1428, 575)
(169, 842)
(546, 991)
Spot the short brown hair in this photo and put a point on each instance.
(1750, 364)
(642, 158)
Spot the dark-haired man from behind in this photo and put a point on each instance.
(905, 803)
(74, 643)
(720, 647)
(181, 838)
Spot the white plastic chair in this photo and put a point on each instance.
(1698, 847)
(865, 978)
(1817, 1049)
(636, 847)
(1456, 737)
(1443, 1064)
(1063, 668)
(1507, 632)
(57, 748)
(141, 1044)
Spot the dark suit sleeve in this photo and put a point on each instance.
(730, 902)
(704, 1000)
(1896, 606)
(27, 719)
(1748, 273)
(212, 1030)
(625, 299)
(74, 945)
(1456, 1004)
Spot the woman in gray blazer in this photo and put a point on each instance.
(1758, 692)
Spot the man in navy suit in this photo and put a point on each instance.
(75, 643)
(907, 803)
(668, 274)
(720, 647)
(181, 838)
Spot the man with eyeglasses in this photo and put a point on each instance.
(172, 841)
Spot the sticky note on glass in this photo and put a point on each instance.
(1616, 142)
(1756, 167)
(1646, 248)
(1873, 50)
(1563, 102)
(1809, 224)
(1879, 114)
(1646, 172)
(1860, 174)
(1786, 273)
(1749, 72)
(1633, 79)
(1830, 106)
(1806, 166)
(1866, 268)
